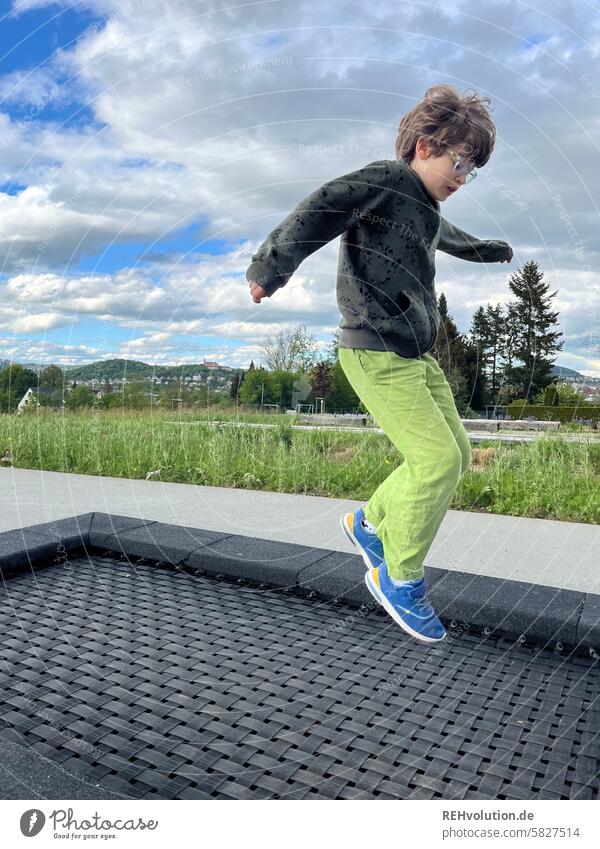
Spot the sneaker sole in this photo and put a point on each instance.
(345, 523)
(391, 610)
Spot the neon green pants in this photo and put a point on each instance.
(411, 401)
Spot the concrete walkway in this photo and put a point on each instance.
(539, 551)
(475, 436)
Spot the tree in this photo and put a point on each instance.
(549, 397)
(332, 354)
(563, 394)
(448, 338)
(321, 380)
(474, 394)
(236, 381)
(110, 401)
(52, 376)
(532, 341)
(479, 359)
(291, 351)
(496, 343)
(341, 397)
(79, 397)
(15, 380)
(450, 350)
(267, 387)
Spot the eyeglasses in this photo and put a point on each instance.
(463, 165)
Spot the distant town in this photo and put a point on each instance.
(120, 371)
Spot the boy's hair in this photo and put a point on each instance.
(447, 118)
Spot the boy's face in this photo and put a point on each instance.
(437, 172)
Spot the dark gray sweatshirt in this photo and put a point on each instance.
(391, 228)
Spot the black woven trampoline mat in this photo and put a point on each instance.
(158, 684)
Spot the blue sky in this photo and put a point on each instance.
(150, 146)
(31, 38)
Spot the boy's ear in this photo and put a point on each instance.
(425, 146)
(422, 146)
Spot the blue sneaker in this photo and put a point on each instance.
(369, 545)
(406, 604)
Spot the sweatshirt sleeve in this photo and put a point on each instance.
(456, 242)
(324, 214)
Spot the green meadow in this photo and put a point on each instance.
(548, 478)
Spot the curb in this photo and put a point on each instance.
(558, 619)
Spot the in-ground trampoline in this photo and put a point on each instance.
(150, 661)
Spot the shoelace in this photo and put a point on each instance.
(420, 601)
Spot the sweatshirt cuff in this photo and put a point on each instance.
(497, 251)
(264, 276)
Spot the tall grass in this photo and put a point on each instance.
(547, 478)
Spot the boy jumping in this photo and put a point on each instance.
(388, 216)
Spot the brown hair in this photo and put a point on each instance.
(447, 118)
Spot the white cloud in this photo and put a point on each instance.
(148, 342)
(38, 322)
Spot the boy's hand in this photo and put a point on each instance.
(510, 255)
(256, 292)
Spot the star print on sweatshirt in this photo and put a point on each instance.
(390, 229)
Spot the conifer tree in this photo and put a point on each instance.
(481, 341)
(530, 337)
(456, 360)
(448, 339)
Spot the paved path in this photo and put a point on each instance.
(475, 436)
(557, 554)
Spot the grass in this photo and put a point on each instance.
(548, 478)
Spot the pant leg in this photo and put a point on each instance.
(442, 393)
(394, 390)
(440, 389)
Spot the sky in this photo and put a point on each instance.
(149, 147)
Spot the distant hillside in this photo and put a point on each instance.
(569, 374)
(118, 369)
(138, 370)
(134, 370)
